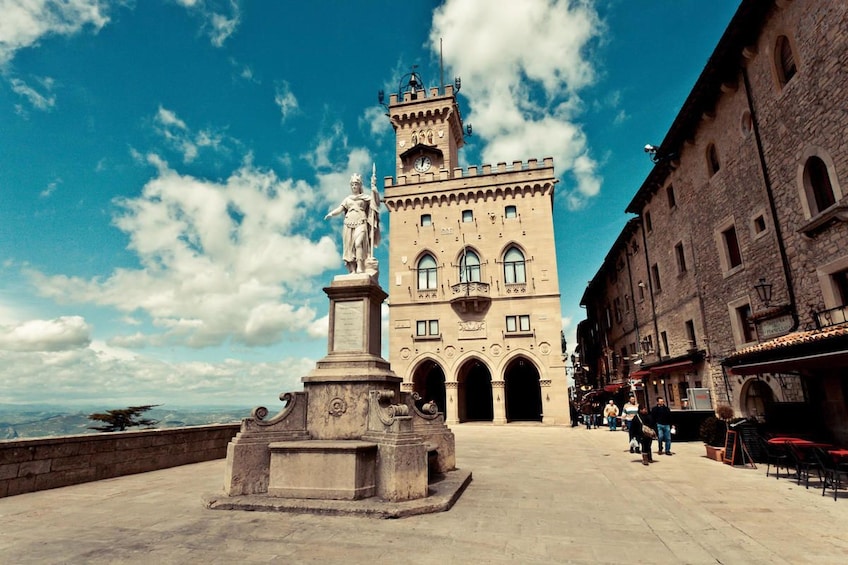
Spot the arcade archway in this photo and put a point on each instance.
(474, 393)
(428, 381)
(523, 392)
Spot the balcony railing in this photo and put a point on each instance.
(473, 296)
(832, 317)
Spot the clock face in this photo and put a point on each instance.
(422, 164)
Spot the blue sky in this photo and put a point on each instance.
(165, 166)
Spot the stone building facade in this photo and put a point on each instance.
(474, 303)
(743, 228)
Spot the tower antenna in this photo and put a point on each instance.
(441, 69)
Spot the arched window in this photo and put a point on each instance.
(712, 160)
(514, 267)
(818, 186)
(469, 267)
(785, 60)
(427, 273)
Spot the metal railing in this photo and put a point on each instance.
(832, 317)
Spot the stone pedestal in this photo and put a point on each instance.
(351, 434)
(330, 470)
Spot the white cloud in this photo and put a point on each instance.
(169, 119)
(526, 63)
(23, 23)
(180, 137)
(320, 327)
(115, 377)
(41, 101)
(335, 161)
(219, 260)
(222, 26)
(285, 99)
(61, 334)
(51, 188)
(220, 17)
(374, 121)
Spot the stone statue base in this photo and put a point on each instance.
(350, 436)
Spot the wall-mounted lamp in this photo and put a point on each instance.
(653, 153)
(651, 150)
(763, 291)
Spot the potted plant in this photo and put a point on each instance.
(713, 431)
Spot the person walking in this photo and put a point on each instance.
(597, 411)
(611, 415)
(586, 410)
(644, 430)
(661, 415)
(628, 412)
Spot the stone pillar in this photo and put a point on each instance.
(401, 466)
(338, 387)
(499, 402)
(452, 408)
(401, 453)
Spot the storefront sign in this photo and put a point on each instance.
(775, 326)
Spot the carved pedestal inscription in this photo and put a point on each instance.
(348, 326)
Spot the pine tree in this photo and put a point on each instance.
(120, 420)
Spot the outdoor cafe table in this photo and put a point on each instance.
(798, 442)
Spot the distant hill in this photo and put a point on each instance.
(19, 422)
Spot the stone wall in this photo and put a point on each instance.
(37, 464)
(795, 119)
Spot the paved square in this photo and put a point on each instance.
(539, 495)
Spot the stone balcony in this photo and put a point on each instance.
(470, 296)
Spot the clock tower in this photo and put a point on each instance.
(474, 304)
(428, 129)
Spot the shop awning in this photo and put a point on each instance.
(809, 350)
(640, 374)
(615, 387)
(801, 363)
(671, 367)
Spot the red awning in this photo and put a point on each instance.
(670, 367)
(615, 387)
(639, 374)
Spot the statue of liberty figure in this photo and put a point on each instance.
(361, 231)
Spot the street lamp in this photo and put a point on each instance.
(656, 157)
(763, 291)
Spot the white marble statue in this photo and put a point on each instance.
(361, 231)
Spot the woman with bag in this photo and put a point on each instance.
(628, 412)
(644, 430)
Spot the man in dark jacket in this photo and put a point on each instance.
(661, 415)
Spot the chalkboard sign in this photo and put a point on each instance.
(740, 445)
(730, 447)
(749, 437)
